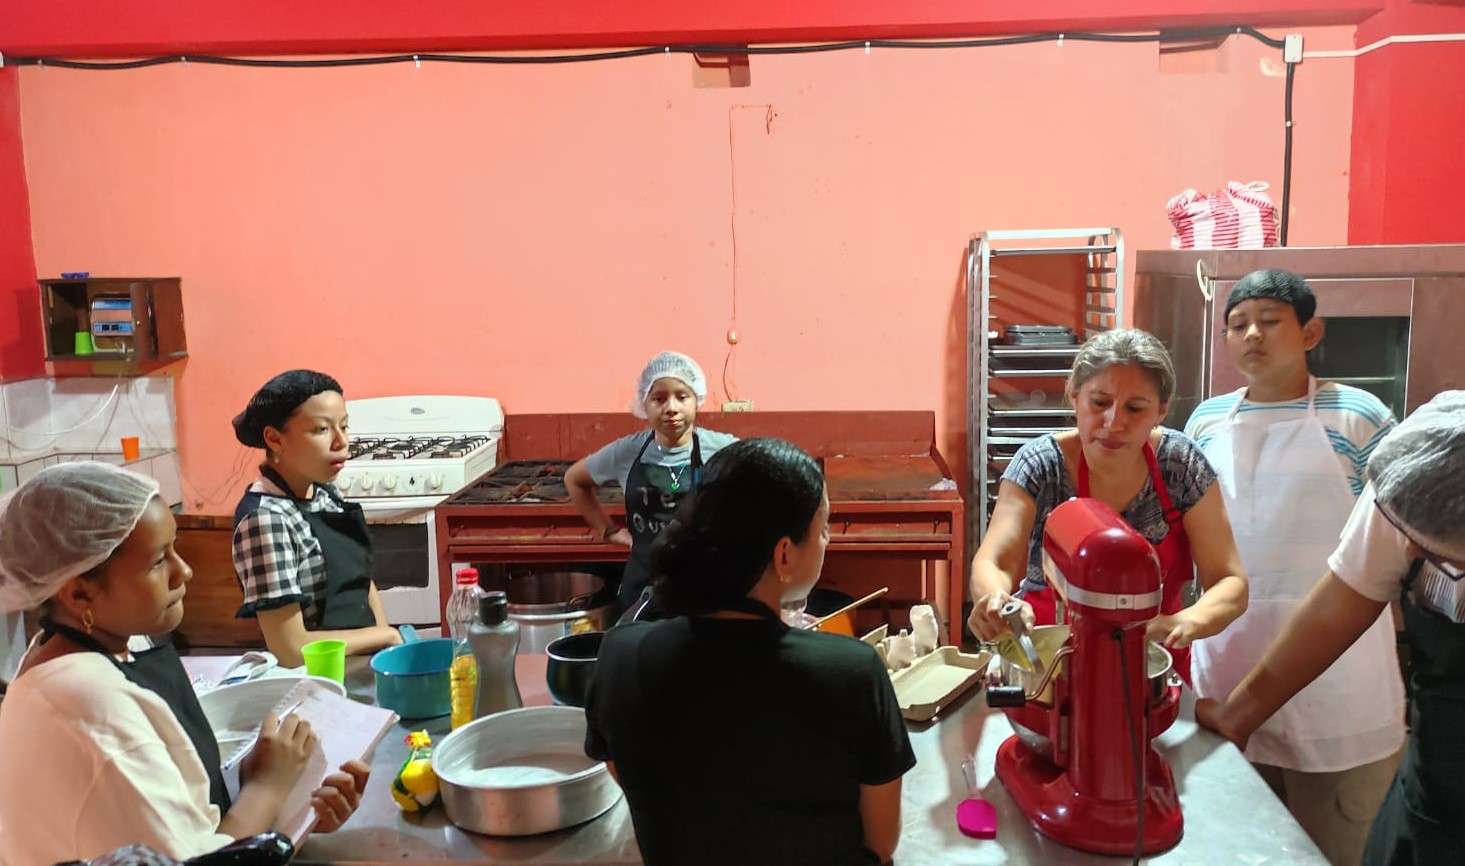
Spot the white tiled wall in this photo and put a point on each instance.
(47, 421)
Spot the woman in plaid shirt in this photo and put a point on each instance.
(302, 553)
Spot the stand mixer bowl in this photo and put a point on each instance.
(1031, 720)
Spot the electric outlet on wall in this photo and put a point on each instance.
(737, 406)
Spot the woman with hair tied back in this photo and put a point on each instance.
(303, 553)
(722, 723)
(1157, 479)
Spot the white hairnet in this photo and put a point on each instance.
(665, 365)
(64, 522)
(1418, 472)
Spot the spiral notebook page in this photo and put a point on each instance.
(345, 730)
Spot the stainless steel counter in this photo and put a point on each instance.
(1231, 816)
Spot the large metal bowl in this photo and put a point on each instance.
(522, 772)
(1030, 721)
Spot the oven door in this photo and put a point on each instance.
(1365, 338)
(404, 545)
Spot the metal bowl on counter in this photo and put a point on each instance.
(548, 605)
(1030, 721)
(522, 772)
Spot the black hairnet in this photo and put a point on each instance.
(277, 400)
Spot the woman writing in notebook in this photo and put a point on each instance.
(102, 741)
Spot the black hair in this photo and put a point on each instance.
(276, 400)
(753, 494)
(1278, 285)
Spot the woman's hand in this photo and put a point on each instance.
(1211, 715)
(1173, 630)
(986, 621)
(279, 756)
(339, 796)
(621, 536)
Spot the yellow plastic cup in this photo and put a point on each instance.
(325, 658)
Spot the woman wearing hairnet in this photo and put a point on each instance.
(302, 553)
(1405, 540)
(102, 742)
(656, 468)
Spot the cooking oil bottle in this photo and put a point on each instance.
(463, 675)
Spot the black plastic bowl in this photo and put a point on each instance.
(571, 665)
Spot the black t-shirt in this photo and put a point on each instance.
(741, 741)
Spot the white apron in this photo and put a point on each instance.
(1288, 499)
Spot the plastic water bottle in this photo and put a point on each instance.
(463, 675)
(495, 641)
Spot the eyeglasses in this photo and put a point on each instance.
(1445, 566)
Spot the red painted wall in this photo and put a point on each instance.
(1407, 178)
(104, 28)
(20, 329)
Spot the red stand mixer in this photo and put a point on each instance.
(1085, 717)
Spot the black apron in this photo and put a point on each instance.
(652, 496)
(345, 543)
(1422, 821)
(160, 671)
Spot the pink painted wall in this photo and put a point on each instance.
(534, 233)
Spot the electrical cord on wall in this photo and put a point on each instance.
(1136, 749)
(713, 48)
(699, 48)
(51, 435)
(1286, 154)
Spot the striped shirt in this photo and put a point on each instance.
(1355, 421)
(1039, 469)
(277, 557)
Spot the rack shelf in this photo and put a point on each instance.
(1034, 351)
(1001, 417)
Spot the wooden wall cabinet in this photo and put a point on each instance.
(135, 323)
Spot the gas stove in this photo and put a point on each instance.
(415, 447)
(408, 454)
(523, 481)
(424, 448)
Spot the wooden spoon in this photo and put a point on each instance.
(849, 607)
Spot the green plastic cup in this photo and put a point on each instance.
(325, 658)
(83, 343)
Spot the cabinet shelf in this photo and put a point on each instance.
(134, 324)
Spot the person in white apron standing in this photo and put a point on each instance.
(1291, 456)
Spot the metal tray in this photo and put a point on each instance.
(935, 680)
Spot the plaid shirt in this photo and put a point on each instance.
(277, 557)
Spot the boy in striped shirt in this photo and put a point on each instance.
(1291, 455)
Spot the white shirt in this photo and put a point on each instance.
(90, 762)
(1373, 558)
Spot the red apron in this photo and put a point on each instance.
(1176, 566)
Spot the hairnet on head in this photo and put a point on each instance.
(1418, 473)
(62, 523)
(1277, 285)
(673, 365)
(276, 400)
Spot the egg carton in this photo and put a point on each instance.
(934, 679)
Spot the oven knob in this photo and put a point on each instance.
(434, 481)
(389, 482)
(365, 483)
(344, 482)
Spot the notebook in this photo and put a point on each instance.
(345, 730)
